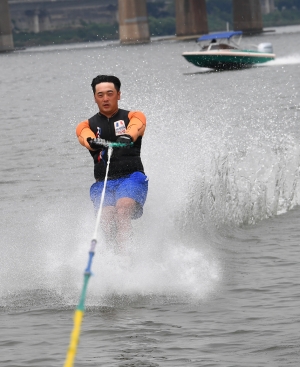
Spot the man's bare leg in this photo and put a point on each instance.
(108, 224)
(125, 208)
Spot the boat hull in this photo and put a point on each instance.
(227, 60)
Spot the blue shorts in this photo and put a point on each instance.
(134, 186)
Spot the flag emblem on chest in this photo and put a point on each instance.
(120, 127)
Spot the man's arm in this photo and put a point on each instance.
(137, 124)
(83, 132)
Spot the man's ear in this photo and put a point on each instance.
(119, 95)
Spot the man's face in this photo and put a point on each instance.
(107, 97)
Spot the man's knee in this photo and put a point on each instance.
(126, 207)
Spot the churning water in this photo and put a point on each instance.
(214, 276)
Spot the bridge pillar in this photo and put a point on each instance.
(247, 16)
(34, 20)
(267, 6)
(133, 22)
(191, 17)
(6, 39)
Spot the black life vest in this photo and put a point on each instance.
(124, 161)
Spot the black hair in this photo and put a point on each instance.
(106, 79)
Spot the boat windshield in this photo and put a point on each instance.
(218, 46)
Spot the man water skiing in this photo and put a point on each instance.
(127, 184)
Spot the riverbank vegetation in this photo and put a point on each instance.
(87, 33)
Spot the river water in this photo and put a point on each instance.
(214, 272)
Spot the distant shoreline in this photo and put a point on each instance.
(40, 40)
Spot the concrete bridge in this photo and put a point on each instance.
(191, 16)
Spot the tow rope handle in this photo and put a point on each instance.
(105, 143)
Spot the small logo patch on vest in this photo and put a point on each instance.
(120, 127)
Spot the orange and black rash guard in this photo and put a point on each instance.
(124, 161)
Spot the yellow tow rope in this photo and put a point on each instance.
(79, 312)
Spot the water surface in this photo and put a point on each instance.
(214, 277)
